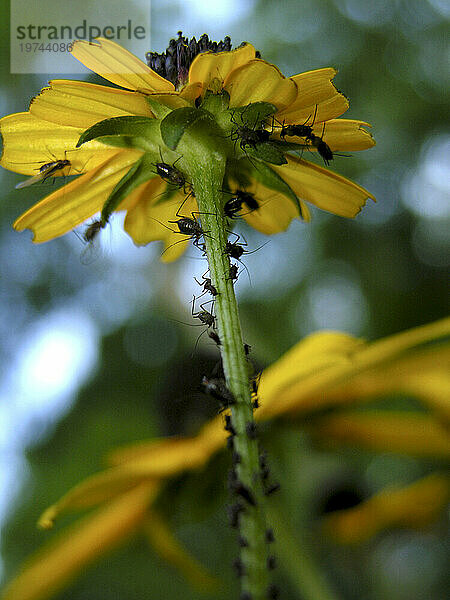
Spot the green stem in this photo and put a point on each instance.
(298, 560)
(206, 168)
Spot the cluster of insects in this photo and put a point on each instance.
(249, 135)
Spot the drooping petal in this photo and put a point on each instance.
(275, 211)
(416, 505)
(75, 202)
(82, 104)
(345, 134)
(339, 134)
(319, 374)
(402, 432)
(210, 65)
(149, 220)
(97, 489)
(65, 556)
(143, 462)
(29, 143)
(274, 214)
(314, 87)
(323, 188)
(320, 352)
(170, 550)
(163, 457)
(180, 453)
(423, 374)
(433, 390)
(259, 81)
(114, 63)
(315, 113)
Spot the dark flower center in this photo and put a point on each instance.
(174, 63)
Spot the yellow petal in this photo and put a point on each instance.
(171, 551)
(339, 134)
(209, 65)
(191, 92)
(424, 374)
(169, 99)
(97, 489)
(149, 220)
(323, 188)
(116, 64)
(316, 113)
(416, 505)
(75, 202)
(432, 389)
(317, 99)
(29, 143)
(345, 134)
(317, 353)
(299, 389)
(161, 458)
(274, 214)
(386, 348)
(275, 211)
(81, 104)
(401, 432)
(259, 81)
(145, 462)
(67, 555)
(313, 88)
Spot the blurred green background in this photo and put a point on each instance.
(94, 355)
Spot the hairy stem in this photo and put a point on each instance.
(206, 170)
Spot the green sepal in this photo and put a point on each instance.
(127, 141)
(139, 172)
(159, 110)
(270, 179)
(130, 126)
(267, 152)
(254, 114)
(178, 121)
(216, 103)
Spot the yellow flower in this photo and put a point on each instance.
(324, 377)
(58, 116)
(413, 506)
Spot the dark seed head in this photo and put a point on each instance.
(271, 562)
(174, 63)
